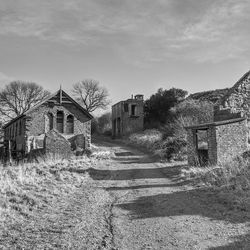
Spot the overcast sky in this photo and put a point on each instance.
(130, 46)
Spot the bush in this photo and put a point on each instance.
(234, 174)
(165, 147)
(172, 148)
(158, 106)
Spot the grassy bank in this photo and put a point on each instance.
(53, 204)
(230, 180)
(155, 141)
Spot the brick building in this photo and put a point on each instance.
(228, 136)
(128, 116)
(58, 124)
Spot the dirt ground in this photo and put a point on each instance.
(153, 208)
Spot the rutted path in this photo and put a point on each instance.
(154, 209)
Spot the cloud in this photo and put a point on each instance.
(141, 32)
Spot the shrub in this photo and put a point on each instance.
(158, 106)
(234, 174)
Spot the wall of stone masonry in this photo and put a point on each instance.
(132, 124)
(56, 144)
(36, 123)
(231, 140)
(192, 151)
(129, 124)
(212, 146)
(236, 103)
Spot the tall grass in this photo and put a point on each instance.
(148, 138)
(230, 179)
(38, 200)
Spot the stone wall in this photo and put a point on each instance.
(236, 103)
(36, 124)
(129, 123)
(231, 140)
(132, 124)
(212, 145)
(56, 144)
(225, 142)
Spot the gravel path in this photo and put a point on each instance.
(154, 209)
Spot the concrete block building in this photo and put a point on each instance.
(229, 135)
(128, 116)
(56, 125)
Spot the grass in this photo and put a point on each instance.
(147, 138)
(46, 205)
(169, 148)
(230, 180)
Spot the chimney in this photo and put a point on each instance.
(132, 97)
(139, 97)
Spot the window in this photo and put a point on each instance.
(70, 124)
(50, 117)
(133, 109)
(59, 121)
(125, 107)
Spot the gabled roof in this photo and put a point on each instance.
(59, 92)
(236, 85)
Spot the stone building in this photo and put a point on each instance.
(228, 136)
(128, 116)
(55, 125)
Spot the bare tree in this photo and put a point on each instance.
(91, 95)
(17, 97)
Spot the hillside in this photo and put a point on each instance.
(211, 95)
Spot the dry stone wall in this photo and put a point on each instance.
(236, 103)
(231, 140)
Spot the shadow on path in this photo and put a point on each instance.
(189, 202)
(176, 184)
(128, 174)
(240, 242)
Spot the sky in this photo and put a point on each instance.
(129, 46)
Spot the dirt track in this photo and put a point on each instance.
(154, 209)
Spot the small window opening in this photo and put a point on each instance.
(59, 121)
(51, 125)
(125, 107)
(70, 124)
(133, 109)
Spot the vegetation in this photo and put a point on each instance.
(102, 125)
(91, 95)
(18, 97)
(231, 180)
(158, 106)
(212, 96)
(169, 140)
(45, 205)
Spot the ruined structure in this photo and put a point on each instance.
(228, 136)
(128, 116)
(52, 126)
